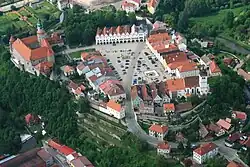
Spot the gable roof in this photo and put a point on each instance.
(81, 161)
(68, 68)
(158, 128)
(224, 124)
(235, 164)
(214, 68)
(176, 57)
(244, 74)
(169, 107)
(175, 84)
(116, 106)
(164, 146)
(191, 82)
(240, 115)
(204, 149)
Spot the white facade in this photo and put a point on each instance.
(187, 73)
(131, 5)
(204, 86)
(116, 114)
(135, 35)
(163, 151)
(158, 135)
(202, 158)
(82, 71)
(117, 97)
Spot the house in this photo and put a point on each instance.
(115, 109)
(181, 107)
(46, 157)
(158, 131)
(81, 161)
(113, 89)
(244, 74)
(232, 138)
(68, 70)
(131, 5)
(168, 108)
(205, 152)
(27, 53)
(158, 25)
(154, 93)
(203, 132)
(76, 89)
(152, 5)
(163, 148)
(82, 69)
(175, 88)
(121, 34)
(136, 100)
(217, 130)
(31, 119)
(214, 69)
(235, 164)
(205, 60)
(224, 124)
(62, 149)
(242, 116)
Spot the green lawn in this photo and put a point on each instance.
(216, 18)
(78, 53)
(44, 8)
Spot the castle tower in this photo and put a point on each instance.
(204, 87)
(40, 31)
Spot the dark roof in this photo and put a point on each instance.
(183, 107)
(191, 82)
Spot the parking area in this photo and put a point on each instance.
(119, 57)
(148, 69)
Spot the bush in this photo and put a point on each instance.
(222, 7)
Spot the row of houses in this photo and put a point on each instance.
(94, 67)
(72, 157)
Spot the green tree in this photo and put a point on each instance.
(229, 19)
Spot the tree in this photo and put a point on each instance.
(169, 20)
(180, 146)
(229, 19)
(13, 7)
(182, 21)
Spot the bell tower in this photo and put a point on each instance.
(40, 31)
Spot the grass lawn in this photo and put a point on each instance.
(78, 53)
(216, 18)
(44, 8)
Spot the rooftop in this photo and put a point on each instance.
(224, 124)
(158, 128)
(164, 145)
(175, 84)
(206, 148)
(169, 107)
(191, 81)
(214, 67)
(116, 106)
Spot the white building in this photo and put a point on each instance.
(205, 152)
(121, 34)
(163, 148)
(131, 5)
(82, 69)
(158, 131)
(115, 109)
(62, 4)
(68, 70)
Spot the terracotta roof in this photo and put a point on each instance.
(175, 84)
(68, 69)
(66, 150)
(224, 124)
(159, 37)
(44, 155)
(44, 67)
(176, 57)
(164, 47)
(191, 82)
(87, 55)
(188, 66)
(145, 95)
(116, 106)
(240, 115)
(23, 48)
(169, 107)
(54, 144)
(73, 85)
(235, 136)
(214, 67)
(164, 146)
(134, 92)
(158, 128)
(127, 4)
(244, 74)
(112, 87)
(235, 164)
(152, 3)
(81, 161)
(228, 60)
(204, 149)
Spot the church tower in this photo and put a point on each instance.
(40, 32)
(204, 86)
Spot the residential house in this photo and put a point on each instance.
(242, 116)
(147, 99)
(235, 164)
(152, 5)
(163, 148)
(217, 130)
(161, 87)
(158, 25)
(205, 60)
(224, 125)
(246, 144)
(168, 108)
(33, 54)
(205, 152)
(76, 89)
(62, 4)
(82, 69)
(214, 69)
(121, 34)
(181, 107)
(46, 157)
(175, 88)
(81, 161)
(158, 131)
(31, 119)
(113, 89)
(131, 5)
(136, 100)
(203, 132)
(244, 74)
(154, 93)
(68, 70)
(115, 109)
(232, 138)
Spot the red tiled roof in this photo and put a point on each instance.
(169, 107)
(116, 106)
(68, 69)
(175, 84)
(158, 128)
(134, 92)
(152, 3)
(112, 87)
(235, 164)
(66, 150)
(214, 67)
(164, 145)
(81, 161)
(176, 57)
(159, 37)
(93, 78)
(247, 142)
(187, 66)
(145, 94)
(127, 4)
(22, 47)
(240, 115)
(244, 74)
(224, 124)
(73, 85)
(204, 149)
(44, 67)
(28, 118)
(54, 144)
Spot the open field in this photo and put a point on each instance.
(216, 18)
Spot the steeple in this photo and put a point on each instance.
(40, 31)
